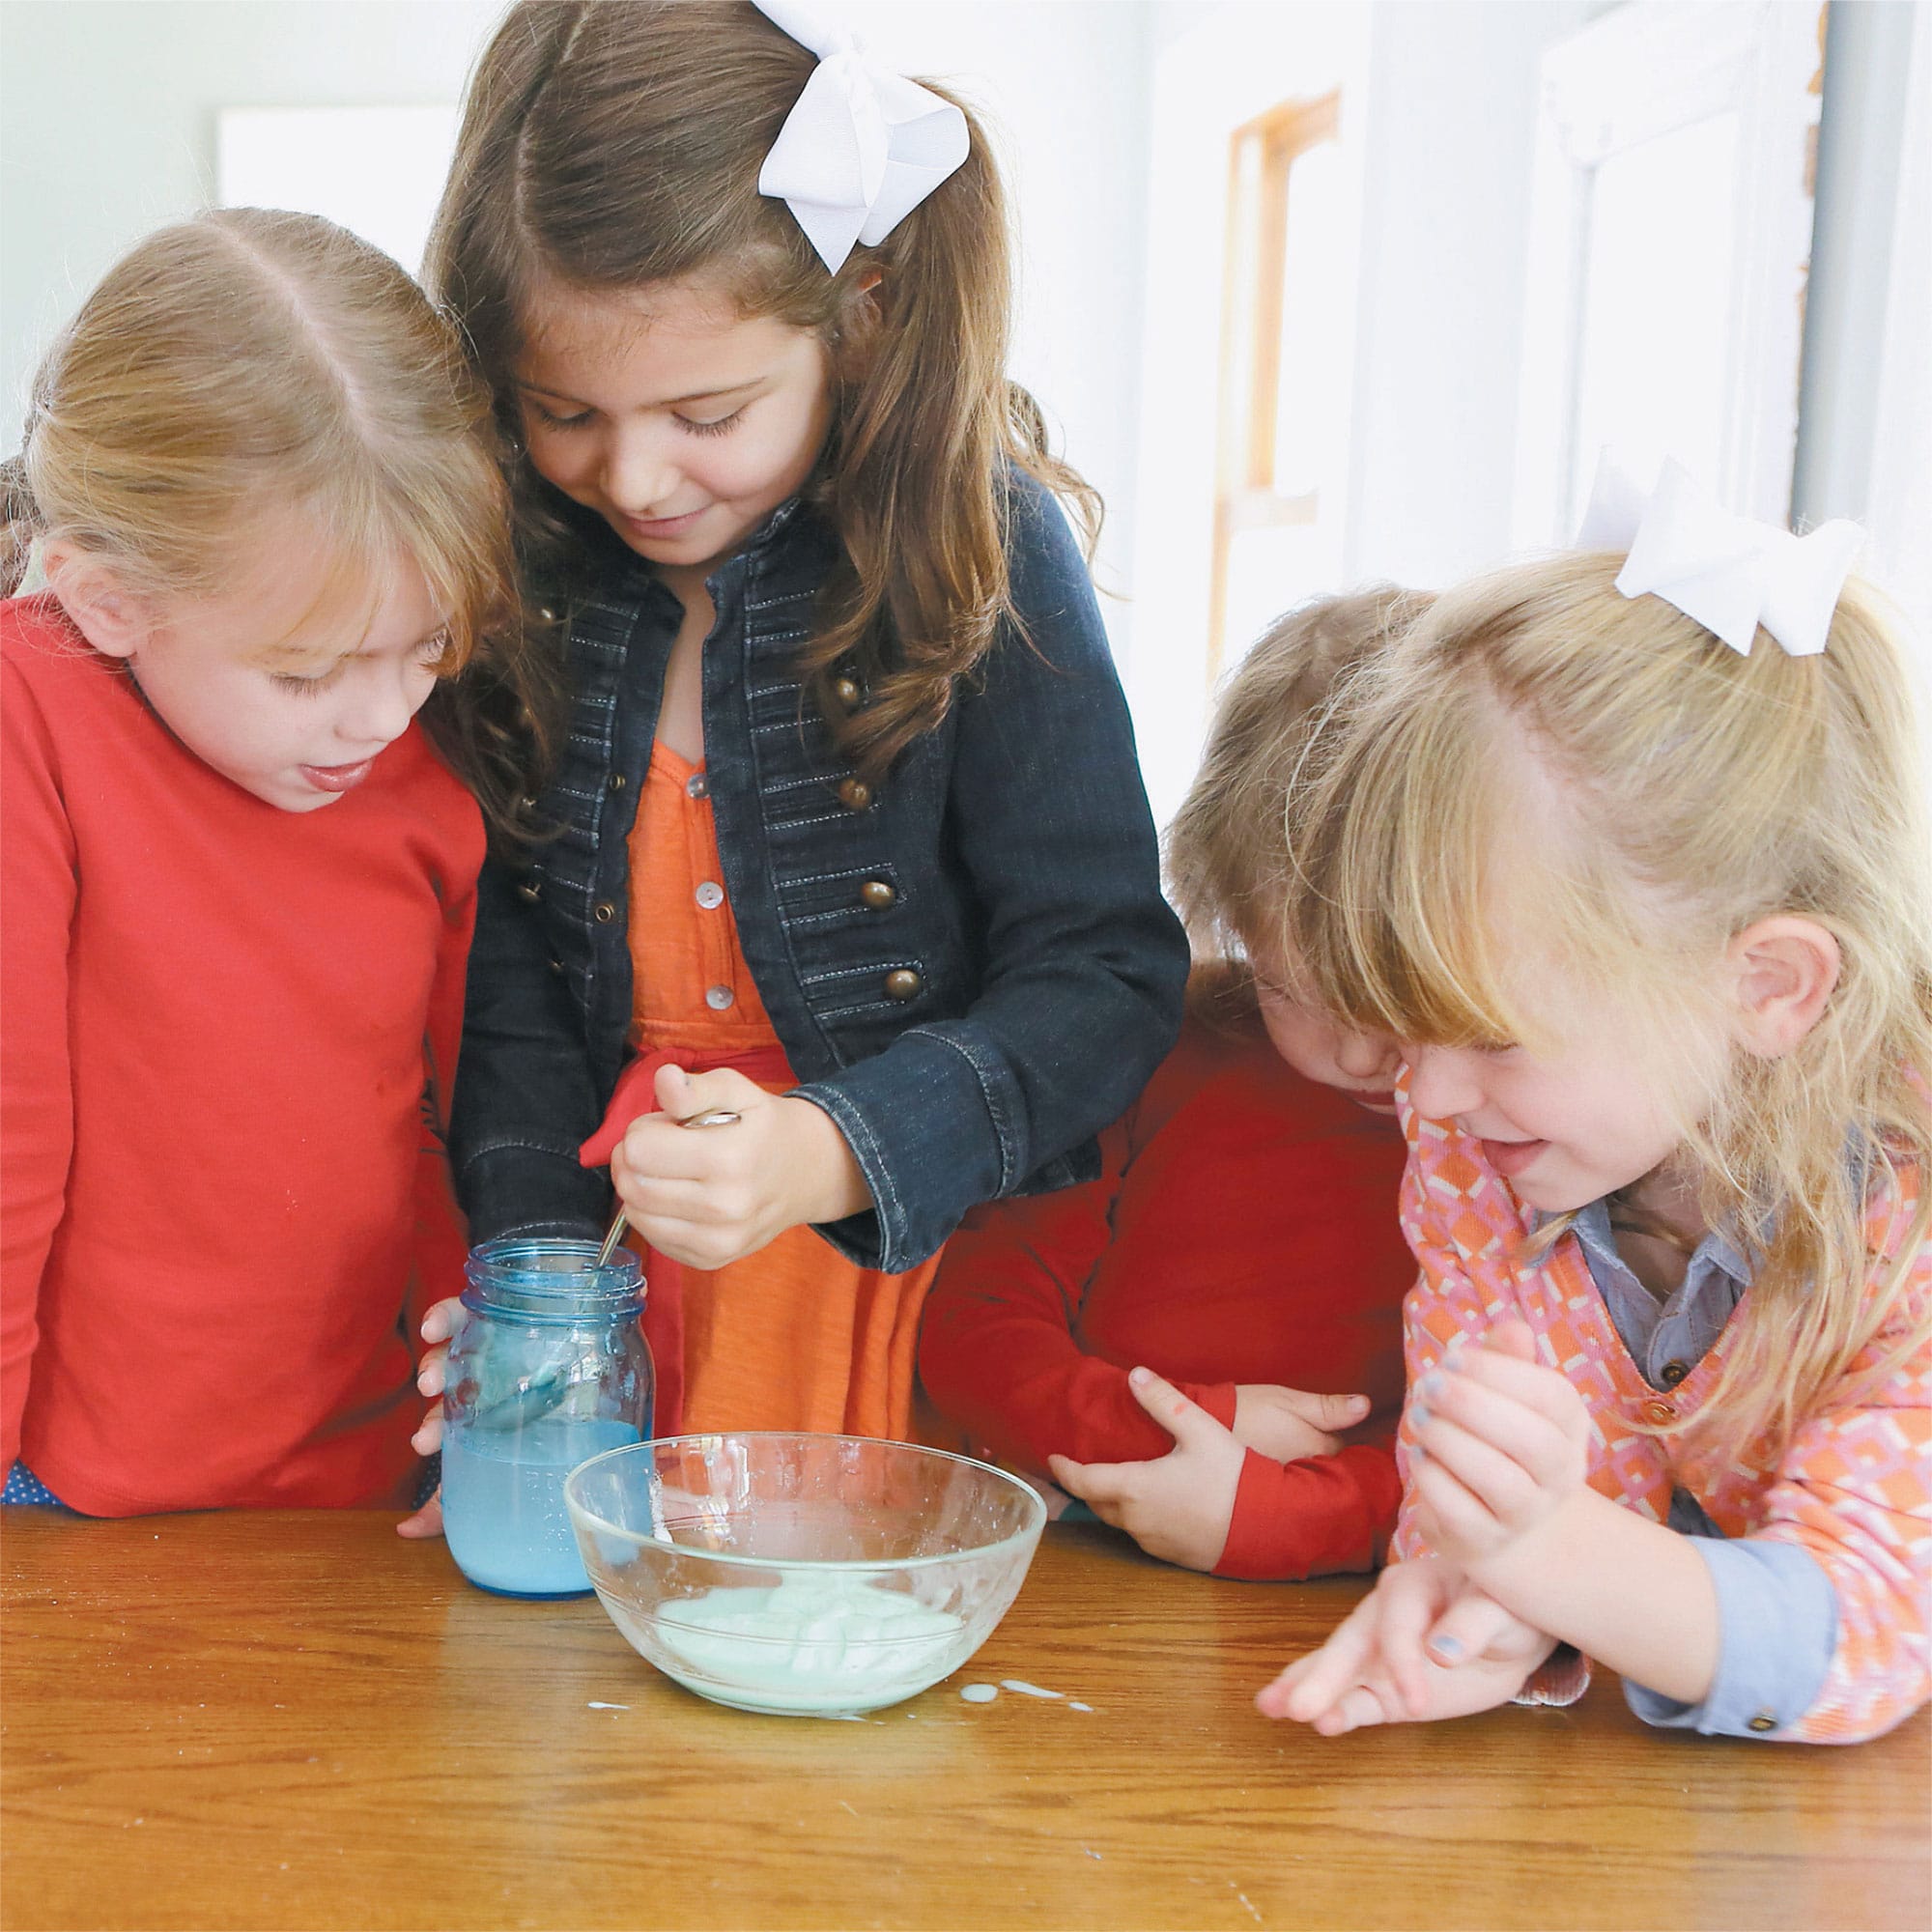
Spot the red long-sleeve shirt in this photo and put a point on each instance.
(216, 1024)
(1243, 1230)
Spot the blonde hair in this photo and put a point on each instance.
(1227, 849)
(1544, 770)
(606, 149)
(250, 363)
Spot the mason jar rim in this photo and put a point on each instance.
(499, 1273)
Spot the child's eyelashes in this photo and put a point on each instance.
(693, 425)
(427, 655)
(716, 426)
(306, 687)
(552, 420)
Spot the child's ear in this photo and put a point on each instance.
(113, 618)
(1786, 969)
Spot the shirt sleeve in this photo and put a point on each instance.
(1084, 963)
(525, 1099)
(1853, 1492)
(998, 1351)
(1777, 1630)
(1318, 1516)
(40, 883)
(440, 1239)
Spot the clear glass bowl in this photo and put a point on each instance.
(806, 1575)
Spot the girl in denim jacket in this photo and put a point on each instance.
(848, 837)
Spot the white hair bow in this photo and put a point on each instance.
(1730, 572)
(862, 147)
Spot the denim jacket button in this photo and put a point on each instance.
(902, 985)
(602, 912)
(855, 794)
(877, 894)
(717, 998)
(557, 967)
(615, 782)
(530, 891)
(847, 693)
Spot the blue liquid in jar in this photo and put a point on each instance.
(502, 1500)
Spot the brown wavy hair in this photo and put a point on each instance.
(610, 148)
(250, 362)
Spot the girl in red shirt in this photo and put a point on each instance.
(263, 488)
(1242, 1237)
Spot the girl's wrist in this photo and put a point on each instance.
(832, 1182)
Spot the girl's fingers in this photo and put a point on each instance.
(433, 1371)
(1542, 1390)
(428, 1438)
(1337, 1664)
(1468, 1629)
(646, 1195)
(1095, 1483)
(724, 1090)
(426, 1522)
(1512, 1336)
(1458, 1520)
(1358, 1707)
(1406, 1615)
(1504, 1481)
(1185, 1419)
(442, 1321)
(1271, 1700)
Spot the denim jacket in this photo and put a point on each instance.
(970, 966)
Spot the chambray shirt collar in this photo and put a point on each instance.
(1592, 1226)
(1665, 1339)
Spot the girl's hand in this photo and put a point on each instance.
(1286, 1424)
(439, 1325)
(1178, 1506)
(1501, 1444)
(707, 1196)
(1425, 1644)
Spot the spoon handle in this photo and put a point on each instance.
(715, 1117)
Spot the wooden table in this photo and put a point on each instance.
(263, 1720)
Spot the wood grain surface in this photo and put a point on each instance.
(293, 1720)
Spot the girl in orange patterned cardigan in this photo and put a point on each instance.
(1652, 918)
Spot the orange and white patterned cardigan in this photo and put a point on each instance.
(1854, 1488)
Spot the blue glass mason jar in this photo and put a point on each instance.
(548, 1369)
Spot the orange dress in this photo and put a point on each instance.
(794, 1336)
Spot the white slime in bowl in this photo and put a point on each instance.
(822, 1643)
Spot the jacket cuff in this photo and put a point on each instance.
(525, 1190)
(936, 1125)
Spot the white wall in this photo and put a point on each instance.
(1438, 103)
(107, 122)
(1451, 134)
(107, 129)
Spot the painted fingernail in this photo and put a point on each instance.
(1418, 1416)
(1448, 1648)
(1140, 1378)
(1431, 1385)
